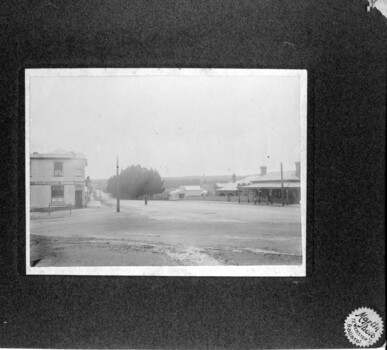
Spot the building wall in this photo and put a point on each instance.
(40, 196)
(173, 196)
(184, 194)
(189, 193)
(43, 170)
(226, 193)
(42, 179)
(69, 194)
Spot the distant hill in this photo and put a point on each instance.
(174, 182)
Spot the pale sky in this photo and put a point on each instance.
(179, 125)
(382, 6)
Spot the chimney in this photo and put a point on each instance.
(263, 170)
(298, 169)
(233, 178)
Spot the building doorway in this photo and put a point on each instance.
(78, 198)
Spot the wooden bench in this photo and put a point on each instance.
(58, 205)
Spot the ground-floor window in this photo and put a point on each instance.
(278, 193)
(57, 193)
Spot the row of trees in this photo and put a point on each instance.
(136, 182)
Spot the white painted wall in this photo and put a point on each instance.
(42, 170)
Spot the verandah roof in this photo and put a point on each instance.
(273, 185)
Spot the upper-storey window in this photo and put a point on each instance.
(58, 168)
(79, 172)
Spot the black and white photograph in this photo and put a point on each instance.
(166, 171)
(193, 174)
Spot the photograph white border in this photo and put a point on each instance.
(202, 271)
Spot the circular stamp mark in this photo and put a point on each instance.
(363, 327)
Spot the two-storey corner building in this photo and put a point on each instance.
(57, 178)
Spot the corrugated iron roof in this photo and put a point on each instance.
(288, 175)
(231, 186)
(218, 184)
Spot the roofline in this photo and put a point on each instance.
(56, 156)
(276, 185)
(285, 180)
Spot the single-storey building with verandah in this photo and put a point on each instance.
(267, 187)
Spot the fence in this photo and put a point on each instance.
(234, 199)
(219, 198)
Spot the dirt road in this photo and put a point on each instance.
(167, 233)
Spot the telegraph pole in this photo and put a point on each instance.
(118, 187)
(282, 186)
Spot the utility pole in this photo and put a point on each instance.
(282, 186)
(118, 187)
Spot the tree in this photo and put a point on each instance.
(135, 182)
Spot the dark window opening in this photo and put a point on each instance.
(57, 193)
(58, 168)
